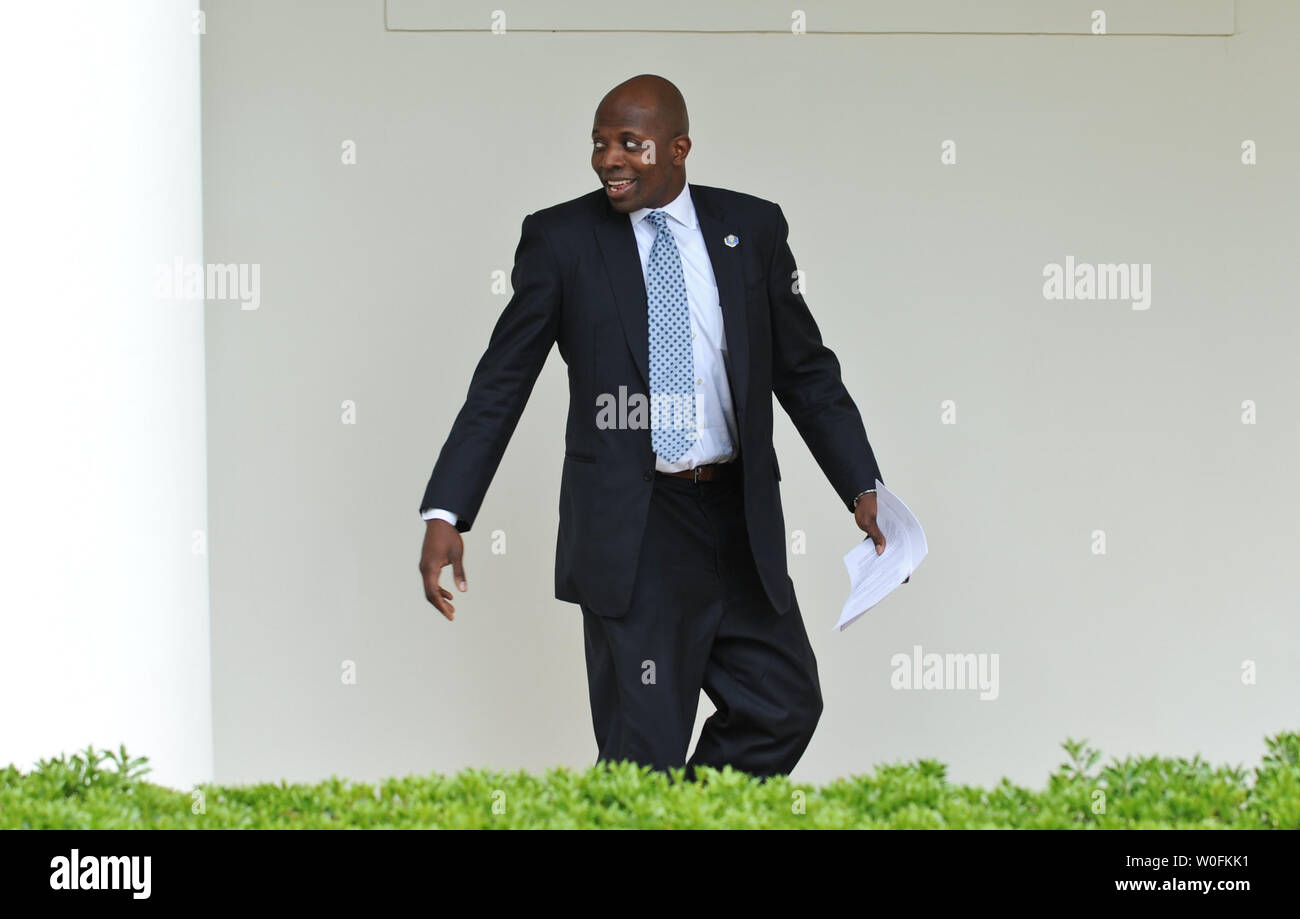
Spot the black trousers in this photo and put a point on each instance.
(700, 619)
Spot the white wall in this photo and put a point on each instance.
(105, 628)
(927, 279)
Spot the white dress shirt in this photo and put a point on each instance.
(715, 418)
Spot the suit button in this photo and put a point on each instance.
(650, 474)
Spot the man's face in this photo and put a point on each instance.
(635, 158)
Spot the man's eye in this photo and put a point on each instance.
(597, 144)
(633, 144)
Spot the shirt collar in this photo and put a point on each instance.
(681, 209)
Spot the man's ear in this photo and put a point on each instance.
(681, 147)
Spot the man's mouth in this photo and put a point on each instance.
(618, 188)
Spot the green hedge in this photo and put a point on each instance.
(106, 790)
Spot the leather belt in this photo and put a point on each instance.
(709, 472)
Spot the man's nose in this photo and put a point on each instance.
(613, 158)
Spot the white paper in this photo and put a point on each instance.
(873, 577)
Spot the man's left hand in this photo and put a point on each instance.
(865, 515)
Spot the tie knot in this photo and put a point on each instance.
(658, 218)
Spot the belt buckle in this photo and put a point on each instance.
(696, 471)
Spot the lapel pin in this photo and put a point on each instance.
(732, 240)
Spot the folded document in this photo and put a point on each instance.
(873, 577)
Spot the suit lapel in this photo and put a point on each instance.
(731, 288)
(617, 243)
(623, 265)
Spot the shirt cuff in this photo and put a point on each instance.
(438, 513)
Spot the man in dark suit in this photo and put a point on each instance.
(678, 310)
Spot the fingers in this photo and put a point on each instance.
(438, 595)
(876, 536)
(458, 573)
(435, 593)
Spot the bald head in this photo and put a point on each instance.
(639, 143)
(652, 95)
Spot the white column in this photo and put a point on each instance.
(104, 625)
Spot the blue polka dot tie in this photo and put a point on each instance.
(672, 364)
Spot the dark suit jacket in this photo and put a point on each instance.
(578, 282)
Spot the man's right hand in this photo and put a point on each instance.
(442, 547)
